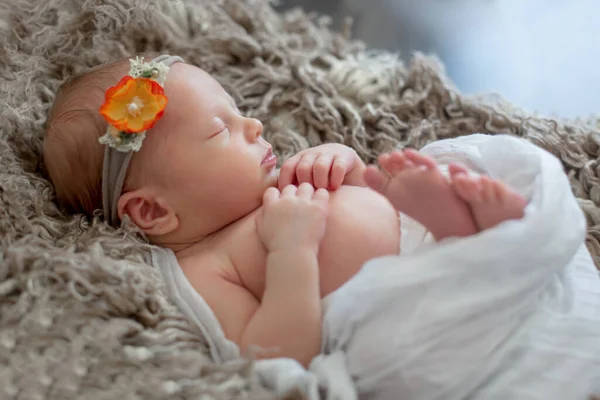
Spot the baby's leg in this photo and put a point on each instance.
(491, 201)
(416, 187)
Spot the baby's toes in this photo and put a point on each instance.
(420, 160)
(384, 161)
(394, 162)
(467, 188)
(506, 195)
(489, 190)
(456, 170)
(375, 178)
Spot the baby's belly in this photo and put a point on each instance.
(361, 225)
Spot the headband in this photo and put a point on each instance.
(131, 108)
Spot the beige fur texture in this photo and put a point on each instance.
(81, 314)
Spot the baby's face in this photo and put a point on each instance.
(205, 158)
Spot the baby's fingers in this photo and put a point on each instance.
(304, 169)
(271, 195)
(305, 191)
(287, 174)
(338, 173)
(321, 196)
(321, 170)
(289, 191)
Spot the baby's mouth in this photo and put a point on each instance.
(269, 158)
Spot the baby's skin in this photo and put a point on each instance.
(262, 249)
(292, 223)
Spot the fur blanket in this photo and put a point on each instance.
(81, 314)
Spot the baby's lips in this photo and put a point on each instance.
(270, 158)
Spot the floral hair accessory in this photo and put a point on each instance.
(134, 105)
(131, 108)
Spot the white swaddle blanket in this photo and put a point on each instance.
(510, 313)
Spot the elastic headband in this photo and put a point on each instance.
(131, 108)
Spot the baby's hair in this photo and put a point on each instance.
(71, 152)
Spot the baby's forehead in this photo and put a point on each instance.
(194, 97)
(185, 80)
(191, 74)
(195, 100)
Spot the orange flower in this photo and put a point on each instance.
(134, 104)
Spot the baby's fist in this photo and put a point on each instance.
(294, 217)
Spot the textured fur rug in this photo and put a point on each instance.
(81, 314)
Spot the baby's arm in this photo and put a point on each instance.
(288, 319)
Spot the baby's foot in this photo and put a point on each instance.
(490, 200)
(416, 187)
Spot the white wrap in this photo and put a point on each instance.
(510, 313)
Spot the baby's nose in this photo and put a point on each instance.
(254, 128)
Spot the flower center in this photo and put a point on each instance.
(135, 107)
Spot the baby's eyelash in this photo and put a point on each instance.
(217, 133)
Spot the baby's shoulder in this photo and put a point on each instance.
(205, 265)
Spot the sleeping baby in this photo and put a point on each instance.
(165, 145)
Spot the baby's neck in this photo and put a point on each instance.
(193, 244)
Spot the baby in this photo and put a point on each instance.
(262, 249)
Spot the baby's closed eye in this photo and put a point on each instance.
(221, 132)
(218, 127)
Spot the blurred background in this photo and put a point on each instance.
(541, 55)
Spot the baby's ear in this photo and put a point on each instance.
(149, 212)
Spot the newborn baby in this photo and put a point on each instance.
(262, 249)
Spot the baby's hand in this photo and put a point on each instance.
(294, 217)
(325, 166)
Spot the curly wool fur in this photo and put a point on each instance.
(81, 313)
